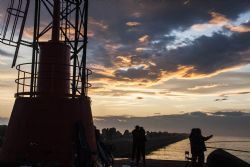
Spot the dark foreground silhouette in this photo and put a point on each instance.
(198, 147)
(139, 144)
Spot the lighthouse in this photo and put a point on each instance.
(51, 121)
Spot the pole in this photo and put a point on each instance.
(56, 21)
(34, 51)
(84, 71)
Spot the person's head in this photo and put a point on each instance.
(195, 132)
(198, 131)
(137, 127)
(192, 132)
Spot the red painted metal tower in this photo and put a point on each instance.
(51, 121)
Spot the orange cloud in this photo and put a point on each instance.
(28, 34)
(200, 27)
(133, 24)
(91, 33)
(142, 49)
(123, 61)
(99, 24)
(102, 70)
(240, 28)
(183, 72)
(131, 91)
(112, 46)
(220, 20)
(217, 20)
(143, 39)
(109, 85)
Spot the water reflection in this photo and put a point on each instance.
(177, 151)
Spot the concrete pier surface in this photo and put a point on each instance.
(151, 163)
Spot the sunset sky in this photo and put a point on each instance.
(159, 57)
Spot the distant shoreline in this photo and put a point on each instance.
(122, 148)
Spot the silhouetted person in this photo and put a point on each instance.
(97, 134)
(198, 147)
(104, 154)
(141, 145)
(135, 134)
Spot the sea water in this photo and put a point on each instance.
(177, 150)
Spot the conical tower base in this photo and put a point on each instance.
(56, 131)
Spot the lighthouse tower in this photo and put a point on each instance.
(51, 121)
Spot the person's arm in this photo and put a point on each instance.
(207, 138)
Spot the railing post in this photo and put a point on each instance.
(24, 80)
(18, 68)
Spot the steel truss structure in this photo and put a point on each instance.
(73, 32)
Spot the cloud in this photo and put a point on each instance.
(143, 49)
(99, 24)
(230, 123)
(209, 55)
(133, 24)
(204, 87)
(140, 54)
(240, 28)
(221, 99)
(223, 83)
(197, 114)
(220, 20)
(234, 93)
(6, 84)
(136, 73)
(126, 91)
(143, 39)
(187, 2)
(230, 114)
(225, 96)
(5, 53)
(28, 33)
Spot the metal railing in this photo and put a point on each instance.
(24, 82)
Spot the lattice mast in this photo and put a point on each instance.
(65, 21)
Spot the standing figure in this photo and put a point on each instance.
(135, 134)
(141, 146)
(198, 147)
(105, 154)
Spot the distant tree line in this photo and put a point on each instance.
(121, 142)
(113, 133)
